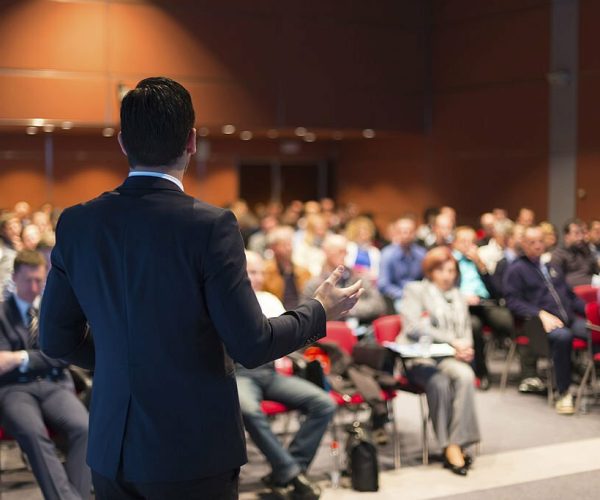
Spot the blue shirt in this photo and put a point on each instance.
(398, 267)
(470, 280)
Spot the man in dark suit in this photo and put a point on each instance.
(160, 278)
(35, 390)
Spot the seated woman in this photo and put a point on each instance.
(435, 308)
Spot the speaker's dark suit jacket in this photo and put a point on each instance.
(161, 279)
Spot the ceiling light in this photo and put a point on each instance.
(300, 131)
(49, 127)
(37, 122)
(67, 125)
(203, 131)
(310, 137)
(246, 135)
(108, 132)
(228, 129)
(31, 130)
(368, 133)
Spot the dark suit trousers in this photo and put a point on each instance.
(221, 487)
(26, 410)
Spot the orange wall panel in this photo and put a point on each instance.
(53, 35)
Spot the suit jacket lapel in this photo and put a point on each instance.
(21, 332)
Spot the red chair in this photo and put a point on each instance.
(587, 293)
(387, 329)
(592, 313)
(341, 334)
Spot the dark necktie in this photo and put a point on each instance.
(32, 325)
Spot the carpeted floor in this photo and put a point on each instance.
(528, 452)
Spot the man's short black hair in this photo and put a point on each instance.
(156, 119)
(572, 222)
(29, 258)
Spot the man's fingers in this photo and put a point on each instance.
(352, 289)
(335, 276)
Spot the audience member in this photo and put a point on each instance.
(526, 217)
(307, 251)
(574, 258)
(288, 466)
(594, 239)
(424, 231)
(36, 391)
(550, 240)
(258, 241)
(494, 251)
(22, 211)
(363, 257)
(537, 291)
(31, 237)
(477, 287)
(371, 304)
(10, 244)
(435, 308)
(442, 234)
(486, 221)
(400, 261)
(283, 278)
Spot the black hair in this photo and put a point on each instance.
(156, 119)
(571, 222)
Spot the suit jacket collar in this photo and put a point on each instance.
(143, 182)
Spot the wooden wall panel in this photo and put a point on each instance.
(38, 34)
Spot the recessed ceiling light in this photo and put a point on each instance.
(31, 130)
(300, 131)
(108, 132)
(310, 137)
(67, 125)
(37, 122)
(203, 131)
(49, 127)
(245, 135)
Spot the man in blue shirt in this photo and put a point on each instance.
(400, 261)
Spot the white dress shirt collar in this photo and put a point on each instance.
(174, 180)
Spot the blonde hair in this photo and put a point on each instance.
(354, 226)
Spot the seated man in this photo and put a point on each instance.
(288, 465)
(442, 232)
(574, 258)
(282, 277)
(476, 285)
(400, 261)
(536, 290)
(35, 390)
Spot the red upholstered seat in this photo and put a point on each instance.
(587, 293)
(273, 407)
(579, 345)
(387, 328)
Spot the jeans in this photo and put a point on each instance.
(296, 393)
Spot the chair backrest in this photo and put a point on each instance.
(587, 293)
(387, 328)
(592, 313)
(340, 333)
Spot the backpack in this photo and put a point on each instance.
(361, 454)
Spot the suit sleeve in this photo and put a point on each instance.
(248, 336)
(64, 333)
(513, 293)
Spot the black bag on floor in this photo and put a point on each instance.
(363, 468)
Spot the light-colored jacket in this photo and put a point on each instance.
(426, 310)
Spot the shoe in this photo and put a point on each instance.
(532, 385)
(460, 471)
(468, 460)
(279, 491)
(484, 383)
(380, 437)
(564, 405)
(304, 489)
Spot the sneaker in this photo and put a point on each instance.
(532, 384)
(564, 405)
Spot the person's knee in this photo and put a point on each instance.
(322, 405)
(562, 336)
(438, 384)
(464, 376)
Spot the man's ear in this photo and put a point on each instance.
(120, 139)
(190, 146)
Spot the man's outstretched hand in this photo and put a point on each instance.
(337, 302)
